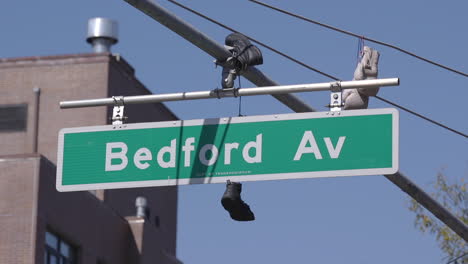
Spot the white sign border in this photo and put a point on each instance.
(232, 120)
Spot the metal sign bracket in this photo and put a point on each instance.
(336, 101)
(118, 111)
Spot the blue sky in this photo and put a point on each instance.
(330, 220)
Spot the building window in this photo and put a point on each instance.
(58, 251)
(13, 117)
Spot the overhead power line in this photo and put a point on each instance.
(421, 116)
(361, 37)
(254, 40)
(314, 69)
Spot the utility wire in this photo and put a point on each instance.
(421, 116)
(254, 40)
(314, 69)
(361, 37)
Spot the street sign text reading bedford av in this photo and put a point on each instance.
(307, 145)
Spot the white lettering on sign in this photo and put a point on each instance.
(214, 154)
(171, 150)
(257, 145)
(334, 151)
(228, 147)
(251, 152)
(309, 139)
(166, 157)
(142, 154)
(187, 149)
(110, 155)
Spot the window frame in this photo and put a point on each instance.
(50, 251)
(10, 124)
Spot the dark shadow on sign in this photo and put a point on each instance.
(207, 136)
(179, 152)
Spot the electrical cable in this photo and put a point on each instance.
(421, 116)
(313, 69)
(254, 40)
(360, 36)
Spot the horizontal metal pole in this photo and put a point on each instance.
(220, 93)
(213, 48)
(372, 83)
(313, 87)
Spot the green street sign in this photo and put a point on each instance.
(273, 147)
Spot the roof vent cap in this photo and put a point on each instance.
(102, 34)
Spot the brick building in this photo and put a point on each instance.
(37, 223)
